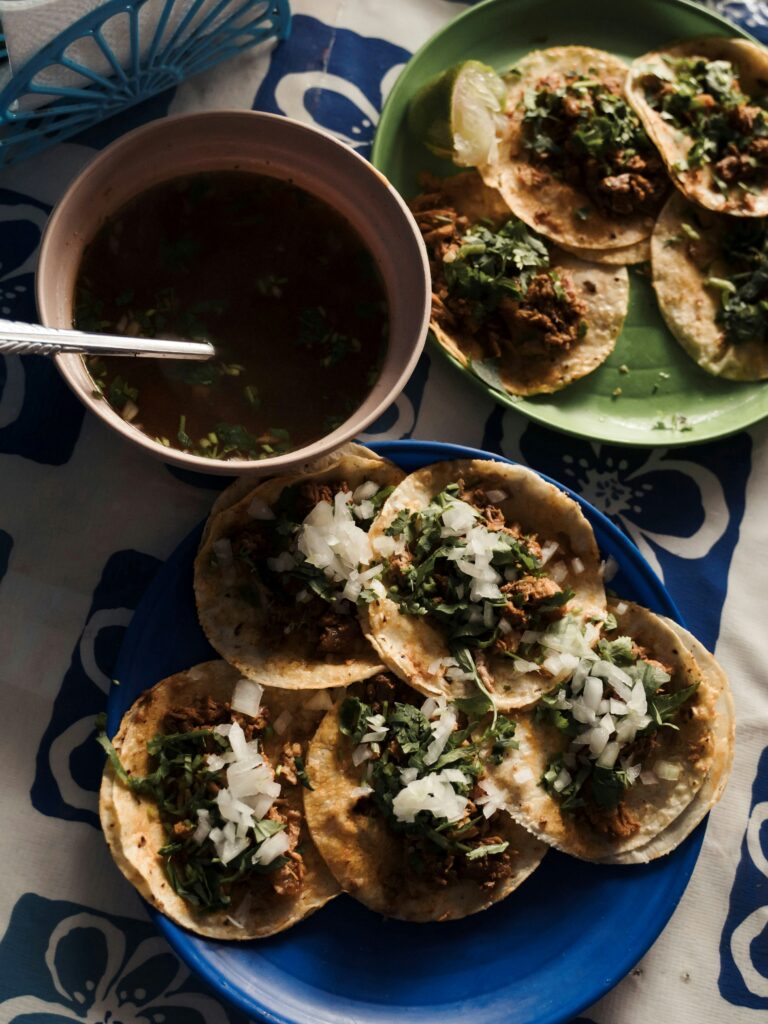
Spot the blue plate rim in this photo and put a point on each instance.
(189, 947)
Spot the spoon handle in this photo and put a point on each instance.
(36, 340)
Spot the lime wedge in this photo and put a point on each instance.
(458, 113)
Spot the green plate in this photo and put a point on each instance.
(663, 384)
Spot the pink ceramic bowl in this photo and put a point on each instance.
(265, 144)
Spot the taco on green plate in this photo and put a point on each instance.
(703, 102)
(575, 163)
(201, 803)
(280, 574)
(492, 580)
(401, 806)
(610, 765)
(710, 274)
(524, 317)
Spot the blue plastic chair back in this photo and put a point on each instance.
(165, 44)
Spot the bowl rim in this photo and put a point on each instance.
(70, 364)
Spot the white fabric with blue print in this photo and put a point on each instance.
(76, 943)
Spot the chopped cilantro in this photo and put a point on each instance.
(490, 265)
(704, 99)
(181, 783)
(408, 737)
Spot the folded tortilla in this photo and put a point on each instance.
(681, 266)
(723, 738)
(558, 209)
(243, 631)
(413, 647)
(368, 858)
(750, 60)
(698, 745)
(604, 291)
(135, 834)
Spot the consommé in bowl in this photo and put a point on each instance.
(177, 149)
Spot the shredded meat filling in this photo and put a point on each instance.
(625, 183)
(338, 633)
(446, 868)
(615, 822)
(207, 712)
(551, 314)
(311, 493)
(324, 631)
(286, 880)
(287, 766)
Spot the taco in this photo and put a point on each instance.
(703, 104)
(402, 810)
(614, 757)
(723, 737)
(575, 163)
(490, 575)
(243, 485)
(201, 803)
(280, 573)
(710, 274)
(504, 302)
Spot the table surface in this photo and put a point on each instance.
(86, 519)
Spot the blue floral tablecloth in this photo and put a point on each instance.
(85, 521)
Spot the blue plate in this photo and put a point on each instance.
(550, 949)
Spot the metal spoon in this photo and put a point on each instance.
(35, 340)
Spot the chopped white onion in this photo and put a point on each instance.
(365, 491)
(284, 562)
(442, 728)
(431, 793)
(548, 550)
(667, 770)
(495, 496)
(360, 791)
(259, 509)
(593, 693)
(272, 848)
(246, 698)
(361, 753)
(222, 549)
(577, 565)
(237, 741)
(609, 568)
(492, 799)
(203, 826)
(607, 758)
(559, 572)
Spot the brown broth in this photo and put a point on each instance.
(279, 282)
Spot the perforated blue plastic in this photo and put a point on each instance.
(164, 46)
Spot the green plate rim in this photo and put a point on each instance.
(666, 438)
